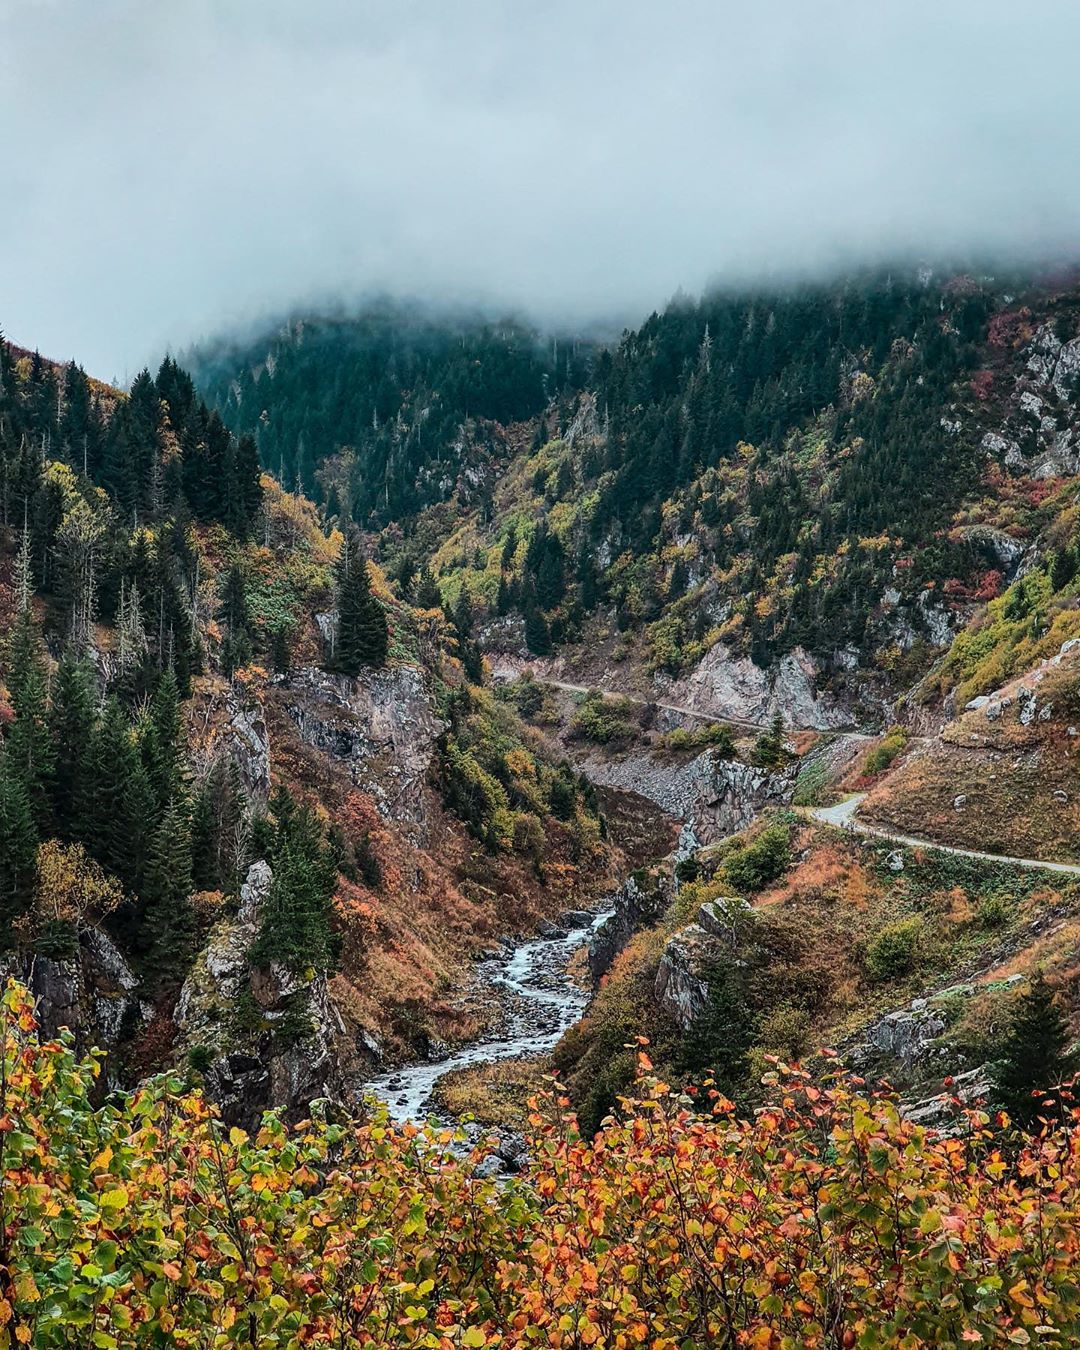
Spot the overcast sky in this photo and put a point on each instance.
(168, 169)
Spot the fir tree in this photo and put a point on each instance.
(161, 741)
(1035, 1054)
(769, 750)
(30, 745)
(18, 848)
(72, 721)
(427, 593)
(537, 633)
(167, 931)
(295, 928)
(121, 809)
(362, 632)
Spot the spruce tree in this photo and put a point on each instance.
(1035, 1054)
(362, 632)
(295, 928)
(72, 721)
(427, 593)
(167, 931)
(161, 741)
(120, 812)
(18, 849)
(30, 745)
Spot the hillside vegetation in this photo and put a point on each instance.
(828, 1220)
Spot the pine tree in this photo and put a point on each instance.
(161, 741)
(72, 721)
(295, 928)
(29, 743)
(120, 811)
(427, 593)
(18, 849)
(1035, 1054)
(362, 632)
(167, 931)
(280, 650)
(537, 633)
(769, 750)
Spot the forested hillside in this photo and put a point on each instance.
(368, 415)
(775, 471)
(234, 770)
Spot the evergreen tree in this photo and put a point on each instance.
(72, 721)
(362, 632)
(280, 650)
(121, 810)
(161, 742)
(427, 593)
(29, 743)
(769, 750)
(167, 931)
(537, 633)
(18, 849)
(1035, 1055)
(295, 929)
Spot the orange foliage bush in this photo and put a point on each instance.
(828, 1220)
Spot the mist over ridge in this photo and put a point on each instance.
(175, 172)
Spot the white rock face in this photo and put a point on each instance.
(723, 685)
(715, 796)
(1067, 369)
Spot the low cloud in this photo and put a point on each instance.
(169, 170)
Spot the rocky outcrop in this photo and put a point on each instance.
(93, 993)
(262, 1037)
(725, 685)
(227, 720)
(640, 901)
(1040, 434)
(714, 795)
(681, 986)
(381, 727)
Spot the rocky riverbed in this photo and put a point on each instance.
(539, 998)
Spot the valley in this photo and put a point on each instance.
(406, 719)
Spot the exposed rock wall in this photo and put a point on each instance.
(715, 796)
(725, 685)
(381, 726)
(93, 993)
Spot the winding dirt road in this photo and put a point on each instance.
(843, 815)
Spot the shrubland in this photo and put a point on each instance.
(826, 1219)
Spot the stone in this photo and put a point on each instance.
(973, 704)
(895, 861)
(93, 993)
(993, 711)
(960, 801)
(254, 892)
(906, 1035)
(680, 986)
(638, 903)
(381, 726)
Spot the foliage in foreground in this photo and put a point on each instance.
(827, 1220)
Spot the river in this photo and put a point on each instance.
(540, 1001)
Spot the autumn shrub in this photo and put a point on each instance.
(882, 755)
(827, 1220)
(715, 735)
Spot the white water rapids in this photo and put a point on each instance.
(540, 1002)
